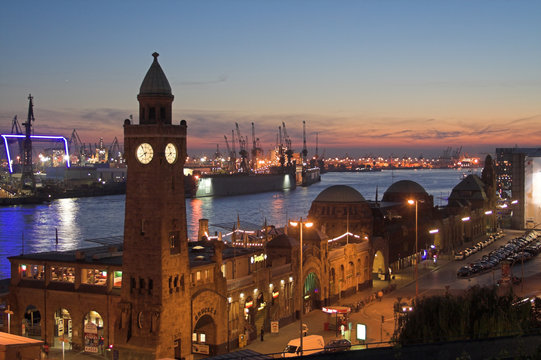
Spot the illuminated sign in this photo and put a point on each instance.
(361, 332)
(275, 294)
(258, 258)
(249, 304)
(35, 137)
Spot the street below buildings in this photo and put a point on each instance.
(434, 278)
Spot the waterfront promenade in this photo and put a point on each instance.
(379, 333)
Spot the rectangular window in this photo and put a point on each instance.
(32, 272)
(152, 113)
(198, 276)
(94, 277)
(63, 274)
(117, 279)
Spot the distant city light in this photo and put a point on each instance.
(37, 137)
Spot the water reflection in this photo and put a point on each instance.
(90, 218)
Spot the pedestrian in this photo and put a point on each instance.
(262, 334)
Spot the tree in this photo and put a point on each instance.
(479, 313)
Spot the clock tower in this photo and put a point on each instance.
(155, 298)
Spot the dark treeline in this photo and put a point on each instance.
(479, 313)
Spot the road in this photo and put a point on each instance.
(433, 279)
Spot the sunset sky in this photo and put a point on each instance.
(378, 76)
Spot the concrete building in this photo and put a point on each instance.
(518, 171)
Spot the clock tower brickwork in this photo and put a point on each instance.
(155, 296)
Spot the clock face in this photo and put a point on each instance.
(144, 153)
(171, 153)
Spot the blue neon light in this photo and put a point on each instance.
(39, 137)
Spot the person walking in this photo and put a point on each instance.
(262, 333)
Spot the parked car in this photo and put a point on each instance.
(338, 345)
(463, 271)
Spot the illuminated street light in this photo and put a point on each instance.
(433, 231)
(300, 284)
(416, 202)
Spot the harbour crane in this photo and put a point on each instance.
(304, 150)
(281, 157)
(242, 152)
(231, 155)
(16, 129)
(256, 148)
(28, 182)
(234, 157)
(114, 151)
(289, 151)
(77, 147)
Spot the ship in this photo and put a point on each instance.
(238, 184)
(310, 175)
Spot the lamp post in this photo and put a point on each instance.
(9, 313)
(412, 202)
(300, 285)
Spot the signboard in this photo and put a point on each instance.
(361, 332)
(200, 349)
(91, 337)
(274, 327)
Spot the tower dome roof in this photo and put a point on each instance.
(406, 187)
(340, 194)
(155, 81)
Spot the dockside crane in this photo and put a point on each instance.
(242, 150)
(304, 152)
(289, 151)
(77, 147)
(256, 148)
(16, 129)
(234, 151)
(28, 182)
(281, 156)
(114, 151)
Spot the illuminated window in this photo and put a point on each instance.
(117, 279)
(223, 270)
(32, 272)
(94, 277)
(198, 276)
(202, 338)
(63, 274)
(194, 337)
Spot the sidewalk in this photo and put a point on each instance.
(370, 314)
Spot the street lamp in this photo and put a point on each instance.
(416, 202)
(300, 285)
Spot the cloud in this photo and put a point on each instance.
(337, 133)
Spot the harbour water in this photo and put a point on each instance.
(77, 220)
